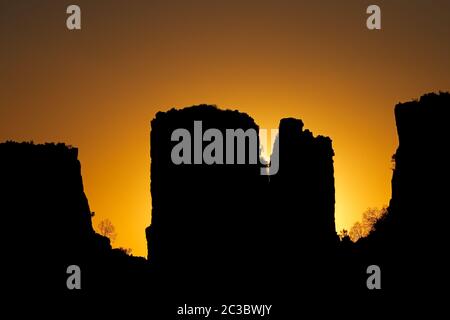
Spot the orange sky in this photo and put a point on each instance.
(98, 88)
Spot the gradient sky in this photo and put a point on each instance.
(98, 88)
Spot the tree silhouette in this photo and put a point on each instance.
(106, 228)
(343, 234)
(369, 219)
(127, 251)
(357, 231)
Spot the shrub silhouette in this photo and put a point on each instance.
(370, 220)
(106, 229)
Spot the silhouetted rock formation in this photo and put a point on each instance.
(302, 202)
(303, 189)
(417, 226)
(419, 195)
(45, 202)
(47, 220)
(206, 219)
(230, 220)
(224, 231)
(411, 242)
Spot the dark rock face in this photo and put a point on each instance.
(47, 222)
(417, 226)
(205, 218)
(46, 171)
(303, 189)
(230, 219)
(421, 164)
(47, 213)
(411, 242)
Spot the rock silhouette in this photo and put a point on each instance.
(206, 219)
(47, 223)
(421, 165)
(303, 189)
(412, 239)
(224, 232)
(230, 223)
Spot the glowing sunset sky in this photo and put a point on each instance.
(98, 88)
